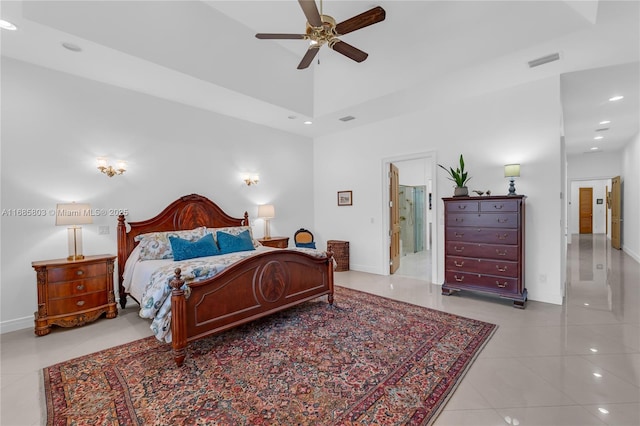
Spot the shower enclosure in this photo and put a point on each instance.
(412, 218)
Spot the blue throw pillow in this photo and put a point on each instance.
(232, 243)
(185, 249)
(312, 245)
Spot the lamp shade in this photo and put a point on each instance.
(512, 170)
(71, 214)
(266, 211)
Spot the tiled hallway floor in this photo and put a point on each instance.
(575, 364)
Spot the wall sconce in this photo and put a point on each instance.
(266, 212)
(512, 171)
(251, 179)
(121, 167)
(73, 215)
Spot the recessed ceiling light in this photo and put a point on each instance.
(594, 148)
(599, 137)
(616, 98)
(6, 25)
(308, 122)
(72, 47)
(586, 304)
(605, 122)
(603, 410)
(594, 350)
(597, 375)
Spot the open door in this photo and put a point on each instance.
(394, 219)
(586, 210)
(616, 202)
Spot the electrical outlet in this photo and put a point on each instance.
(103, 230)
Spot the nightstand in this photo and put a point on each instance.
(275, 242)
(73, 293)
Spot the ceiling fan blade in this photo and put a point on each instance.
(365, 19)
(311, 12)
(349, 51)
(263, 36)
(308, 57)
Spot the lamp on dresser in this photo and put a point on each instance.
(512, 171)
(73, 215)
(266, 212)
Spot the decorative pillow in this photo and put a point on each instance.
(233, 230)
(185, 249)
(232, 243)
(312, 245)
(156, 245)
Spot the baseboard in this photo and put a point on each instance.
(16, 324)
(633, 255)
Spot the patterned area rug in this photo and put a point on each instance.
(367, 360)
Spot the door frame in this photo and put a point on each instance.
(430, 158)
(571, 218)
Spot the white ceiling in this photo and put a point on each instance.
(204, 53)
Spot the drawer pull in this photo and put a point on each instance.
(503, 220)
(498, 206)
(459, 279)
(459, 219)
(503, 285)
(502, 236)
(80, 287)
(501, 253)
(79, 272)
(458, 249)
(80, 302)
(455, 262)
(462, 206)
(459, 234)
(503, 269)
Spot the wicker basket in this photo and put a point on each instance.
(340, 251)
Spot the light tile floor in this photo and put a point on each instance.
(538, 369)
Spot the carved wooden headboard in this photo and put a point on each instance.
(188, 212)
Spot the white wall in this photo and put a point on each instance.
(516, 125)
(55, 125)
(631, 198)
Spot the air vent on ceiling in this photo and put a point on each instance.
(347, 118)
(602, 129)
(544, 60)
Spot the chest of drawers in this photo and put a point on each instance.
(484, 246)
(72, 293)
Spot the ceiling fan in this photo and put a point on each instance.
(322, 29)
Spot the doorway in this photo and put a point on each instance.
(413, 213)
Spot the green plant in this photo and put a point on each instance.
(459, 176)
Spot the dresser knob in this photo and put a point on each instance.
(459, 249)
(459, 234)
(503, 269)
(459, 219)
(497, 206)
(80, 287)
(503, 285)
(80, 302)
(79, 272)
(503, 220)
(462, 206)
(455, 262)
(459, 279)
(501, 253)
(502, 236)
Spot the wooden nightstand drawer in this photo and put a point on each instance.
(75, 288)
(73, 293)
(79, 303)
(275, 242)
(76, 272)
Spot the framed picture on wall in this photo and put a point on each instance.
(345, 198)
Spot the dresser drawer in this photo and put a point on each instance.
(484, 220)
(462, 206)
(499, 206)
(68, 273)
(482, 266)
(76, 288)
(482, 282)
(482, 235)
(77, 303)
(485, 251)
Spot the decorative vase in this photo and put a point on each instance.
(461, 191)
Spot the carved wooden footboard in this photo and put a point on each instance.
(258, 286)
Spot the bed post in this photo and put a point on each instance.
(123, 253)
(330, 276)
(178, 319)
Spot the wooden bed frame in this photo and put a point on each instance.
(252, 288)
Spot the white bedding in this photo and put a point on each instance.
(148, 281)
